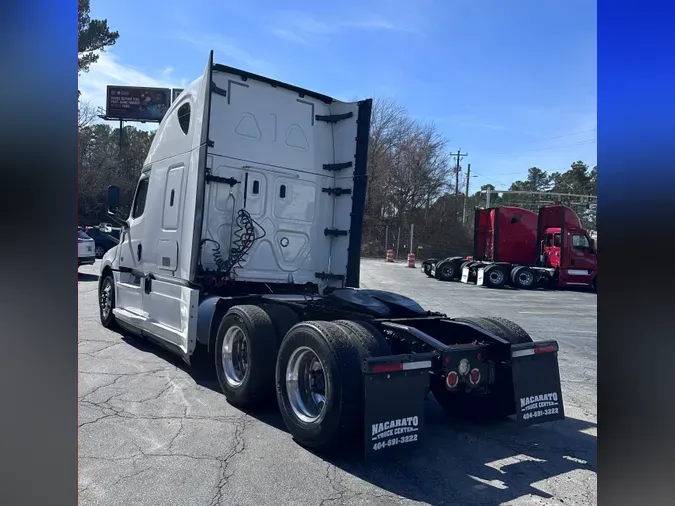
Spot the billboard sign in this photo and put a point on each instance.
(175, 92)
(133, 103)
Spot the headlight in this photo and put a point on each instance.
(463, 367)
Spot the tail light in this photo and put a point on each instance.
(452, 379)
(474, 377)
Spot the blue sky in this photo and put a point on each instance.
(513, 83)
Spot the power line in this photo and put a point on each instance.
(491, 179)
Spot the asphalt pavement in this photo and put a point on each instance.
(154, 432)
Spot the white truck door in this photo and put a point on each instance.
(129, 297)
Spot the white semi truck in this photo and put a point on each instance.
(243, 242)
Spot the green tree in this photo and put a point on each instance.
(593, 183)
(93, 35)
(578, 180)
(103, 163)
(537, 181)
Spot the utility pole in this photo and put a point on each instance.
(459, 155)
(466, 194)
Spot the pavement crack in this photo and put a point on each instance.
(238, 446)
(178, 433)
(127, 476)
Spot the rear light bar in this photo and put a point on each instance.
(418, 362)
(401, 366)
(546, 348)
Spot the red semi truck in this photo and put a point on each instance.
(514, 246)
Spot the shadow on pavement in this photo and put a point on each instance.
(458, 463)
(82, 276)
(467, 464)
(202, 372)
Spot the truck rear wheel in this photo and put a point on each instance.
(367, 338)
(446, 270)
(523, 277)
(495, 276)
(283, 318)
(426, 266)
(319, 384)
(509, 330)
(245, 355)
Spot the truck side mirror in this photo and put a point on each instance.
(113, 199)
(113, 206)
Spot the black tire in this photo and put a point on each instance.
(446, 270)
(494, 276)
(510, 331)
(367, 338)
(523, 277)
(426, 267)
(482, 323)
(106, 290)
(498, 403)
(283, 318)
(250, 383)
(340, 418)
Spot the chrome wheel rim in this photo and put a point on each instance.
(235, 356)
(306, 385)
(496, 277)
(525, 278)
(106, 298)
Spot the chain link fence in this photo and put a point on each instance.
(443, 234)
(424, 238)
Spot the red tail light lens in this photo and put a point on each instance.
(474, 377)
(452, 379)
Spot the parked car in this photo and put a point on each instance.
(85, 249)
(104, 239)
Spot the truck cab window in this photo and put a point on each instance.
(184, 117)
(549, 240)
(556, 240)
(139, 200)
(580, 242)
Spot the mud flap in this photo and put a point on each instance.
(395, 388)
(465, 275)
(480, 276)
(536, 382)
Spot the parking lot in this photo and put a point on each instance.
(154, 432)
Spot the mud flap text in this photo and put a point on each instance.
(536, 382)
(394, 410)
